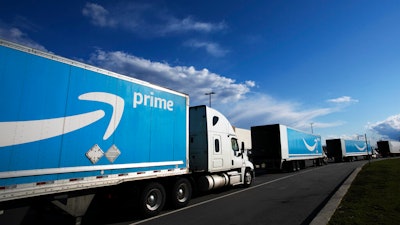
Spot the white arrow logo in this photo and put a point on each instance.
(20, 132)
(361, 148)
(309, 147)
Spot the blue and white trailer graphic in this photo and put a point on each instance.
(277, 146)
(67, 127)
(300, 144)
(341, 149)
(63, 121)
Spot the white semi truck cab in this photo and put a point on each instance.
(214, 151)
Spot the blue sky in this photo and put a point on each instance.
(330, 65)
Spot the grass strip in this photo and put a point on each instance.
(373, 197)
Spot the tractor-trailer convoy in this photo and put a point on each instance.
(346, 150)
(388, 148)
(68, 129)
(279, 147)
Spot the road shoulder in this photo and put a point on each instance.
(329, 209)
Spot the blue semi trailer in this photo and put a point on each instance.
(347, 150)
(68, 130)
(278, 147)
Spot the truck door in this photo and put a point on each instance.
(237, 159)
(217, 159)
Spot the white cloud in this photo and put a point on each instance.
(15, 35)
(328, 125)
(181, 78)
(389, 128)
(261, 109)
(98, 15)
(213, 49)
(189, 24)
(250, 83)
(146, 19)
(242, 107)
(150, 20)
(343, 99)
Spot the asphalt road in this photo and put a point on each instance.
(276, 198)
(280, 198)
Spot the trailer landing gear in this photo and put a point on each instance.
(75, 206)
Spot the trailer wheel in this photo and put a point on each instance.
(152, 199)
(181, 193)
(248, 178)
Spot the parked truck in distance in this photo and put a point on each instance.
(244, 138)
(70, 131)
(347, 150)
(389, 148)
(278, 147)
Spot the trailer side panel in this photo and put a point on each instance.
(63, 120)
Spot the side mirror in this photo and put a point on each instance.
(241, 149)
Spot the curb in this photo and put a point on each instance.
(329, 209)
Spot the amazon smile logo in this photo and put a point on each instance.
(21, 132)
(361, 148)
(311, 147)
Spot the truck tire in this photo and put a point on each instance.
(152, 199)
(181, 193)
(248, 178)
